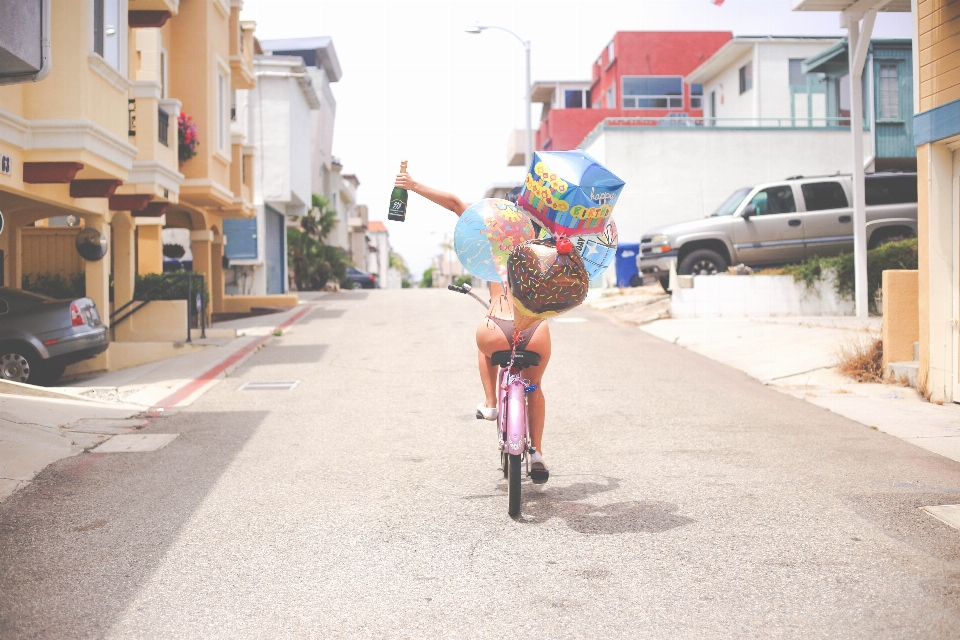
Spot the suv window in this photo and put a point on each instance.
(774, 200)
(891, 190)
(820, 196)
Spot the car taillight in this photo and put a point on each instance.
(76, 318)
(373, 277)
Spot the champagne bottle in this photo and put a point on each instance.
(398, 200)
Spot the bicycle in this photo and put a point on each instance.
(513, 425)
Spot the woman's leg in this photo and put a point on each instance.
(488, 376)
(536, 404)
(489, 339)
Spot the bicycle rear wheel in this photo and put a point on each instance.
(513, 482)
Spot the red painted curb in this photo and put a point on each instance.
(191, 387)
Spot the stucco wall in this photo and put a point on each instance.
(674, 175)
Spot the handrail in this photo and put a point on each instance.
(201, 303)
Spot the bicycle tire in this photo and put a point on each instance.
(513, 482)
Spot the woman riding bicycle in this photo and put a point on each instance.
(496, 333)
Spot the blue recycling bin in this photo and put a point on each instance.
(627, 264)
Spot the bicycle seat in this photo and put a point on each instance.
(521, 360)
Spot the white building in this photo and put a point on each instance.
(272, 117)
(760, 81)
(763, 120)
(378, 260)
(323, 67)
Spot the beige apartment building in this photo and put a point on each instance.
(95, 143)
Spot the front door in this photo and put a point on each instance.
(828, 219)
(774, 235)
(274, 248)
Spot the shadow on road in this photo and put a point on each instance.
(566, 503)
(79, 542)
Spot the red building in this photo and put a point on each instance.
(639, 74)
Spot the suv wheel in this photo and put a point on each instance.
(702, 262)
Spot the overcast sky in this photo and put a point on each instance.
(415, 86)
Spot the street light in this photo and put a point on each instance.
(477, 29)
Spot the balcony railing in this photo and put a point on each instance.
(163, 127)
(681, 121)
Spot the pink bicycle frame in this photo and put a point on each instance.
(513, 423)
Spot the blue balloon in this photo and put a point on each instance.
(472, 245)
(597, 250)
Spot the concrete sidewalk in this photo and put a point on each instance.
(39, 426)
(798, 356)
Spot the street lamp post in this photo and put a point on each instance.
(526, 47)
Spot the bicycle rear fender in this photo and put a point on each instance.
(516, 427)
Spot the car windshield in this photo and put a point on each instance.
(728, 207)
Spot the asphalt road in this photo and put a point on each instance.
(686, 501)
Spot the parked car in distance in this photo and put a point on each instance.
(40, 336)
(678, 119)
(782, 222)
(361, 279)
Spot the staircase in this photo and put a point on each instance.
(908, 370)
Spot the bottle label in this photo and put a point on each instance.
(397, 206)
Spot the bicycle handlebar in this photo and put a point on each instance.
(467, 289)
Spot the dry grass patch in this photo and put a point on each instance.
(862, 360)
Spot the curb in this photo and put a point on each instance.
(196, 387)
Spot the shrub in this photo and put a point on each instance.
(170, 286)
(427, 281)
(862, 361)
(893, 255)
(462, 280)
(56, 285)
(312, 262)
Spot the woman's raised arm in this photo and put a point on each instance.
(442, 198)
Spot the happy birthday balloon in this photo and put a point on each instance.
(486, 234)
(569, 192)
(546, 278)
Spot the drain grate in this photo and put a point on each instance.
(269, 385)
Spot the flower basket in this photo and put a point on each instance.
(188, 140)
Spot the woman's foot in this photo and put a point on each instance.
(538, 468)
(486, 413)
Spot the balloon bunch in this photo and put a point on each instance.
(571, 196)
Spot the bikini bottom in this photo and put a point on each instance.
(507, 326)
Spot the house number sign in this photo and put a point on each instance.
(5, 163)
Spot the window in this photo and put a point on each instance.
(163, 74)
(576, 99)
(746, 77)
(222, 111)
(889, 92)
(730, 204)
(696, 96)
(652, 92)
(106, 26)
(774, 200)
(612, 97)
(843, 97)
(797, 77)
(610, 52)
(713, 104)
(891, 190)
(820, 196)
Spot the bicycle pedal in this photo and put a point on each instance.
(539, 477)
(479, 416)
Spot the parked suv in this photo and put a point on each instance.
(782, 222)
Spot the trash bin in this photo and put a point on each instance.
(627, 273)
